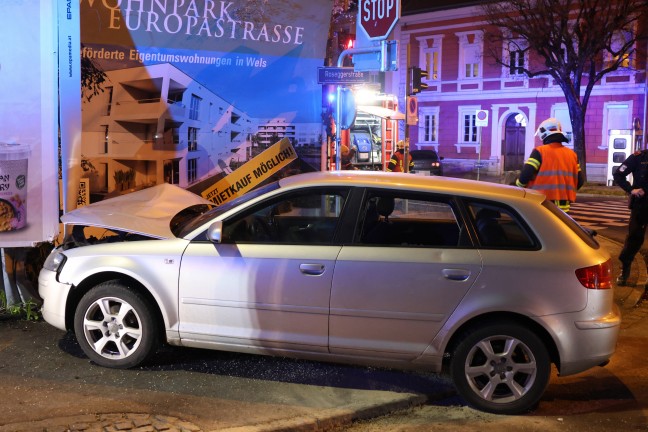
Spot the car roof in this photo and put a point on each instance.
(424, 152)
(391, 180)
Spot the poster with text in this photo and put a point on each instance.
(185, 91)
(28, 136)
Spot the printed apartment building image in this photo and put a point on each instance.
(156, 124)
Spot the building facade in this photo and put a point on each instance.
(463, 81)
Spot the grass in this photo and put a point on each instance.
(601, 189)
(28, 311)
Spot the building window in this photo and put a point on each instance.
(171, 136)
(109, 91)
(172, 171)
(469, 128)
(516, 59)
(619, 39)
(192, 139)
(192, 170)
(468, 132)
(471, 63)
(430, 56)
(194, 107)
(561, 113)
(470, 55)
(106, 140)
(429, 126)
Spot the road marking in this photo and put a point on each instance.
(599, 215)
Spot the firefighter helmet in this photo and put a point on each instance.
(550, 130)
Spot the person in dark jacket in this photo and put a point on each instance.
(396, 162)
(637, 165)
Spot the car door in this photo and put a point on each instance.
(268, 283)
(406, 272)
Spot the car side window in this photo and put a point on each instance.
(399, 219)
(304, 217)
(499, 227)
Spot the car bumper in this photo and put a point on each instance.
(54, 295)
(585, 344)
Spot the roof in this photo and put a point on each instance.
(412, 7)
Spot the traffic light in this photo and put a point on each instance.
(416, 84)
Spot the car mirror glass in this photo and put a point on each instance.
(215, 232)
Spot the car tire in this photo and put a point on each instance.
(115, 326)
(501, 368)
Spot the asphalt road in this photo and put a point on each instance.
(53, 386)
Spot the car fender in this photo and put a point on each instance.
(153, 264)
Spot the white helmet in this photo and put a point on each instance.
(549, 127)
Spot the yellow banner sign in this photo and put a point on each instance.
(252, 173)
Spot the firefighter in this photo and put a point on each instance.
(637, 165)
(552, 168)
(346, 157)
(396, 161)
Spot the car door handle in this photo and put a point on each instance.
(312, 269)
(456, 274)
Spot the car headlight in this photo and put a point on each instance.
(55, 261)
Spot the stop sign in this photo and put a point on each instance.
(378, 17)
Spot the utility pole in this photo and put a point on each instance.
(408, 85)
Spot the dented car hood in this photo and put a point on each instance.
(148, 211)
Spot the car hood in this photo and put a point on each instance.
(148, 211)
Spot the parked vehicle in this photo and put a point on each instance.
(427, 161)
(366, 140)
(486, 282)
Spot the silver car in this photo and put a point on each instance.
(489, 283)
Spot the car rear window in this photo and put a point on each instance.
(587, 235)
(424, 154)
(499, 227)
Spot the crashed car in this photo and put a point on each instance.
(489, 283)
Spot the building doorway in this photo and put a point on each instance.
(514, 137)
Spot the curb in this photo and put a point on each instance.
(334, 418)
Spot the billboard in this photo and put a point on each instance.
(28, 137)
(184, 91)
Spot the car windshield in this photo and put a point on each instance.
(181, 225)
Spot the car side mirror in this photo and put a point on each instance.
(215, 232)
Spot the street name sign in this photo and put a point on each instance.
(341, 75)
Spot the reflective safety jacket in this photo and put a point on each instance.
(396, 162)
(553, 169)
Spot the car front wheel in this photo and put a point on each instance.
(115, 326)
(501, 368)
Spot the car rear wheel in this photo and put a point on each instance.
(501, 368)
(115, 326)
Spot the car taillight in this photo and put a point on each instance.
(597, 276)
(435, 164)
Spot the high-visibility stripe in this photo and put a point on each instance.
(535, 163)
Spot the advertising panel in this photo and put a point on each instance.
(186, 91)
(28, 147)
